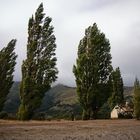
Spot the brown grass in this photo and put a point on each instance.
(68, 130)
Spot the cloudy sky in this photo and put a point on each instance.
(118, 19)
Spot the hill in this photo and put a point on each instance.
(60, 101)
(13, 101)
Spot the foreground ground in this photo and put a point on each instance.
(67, 130)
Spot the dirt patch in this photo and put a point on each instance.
(68, 130)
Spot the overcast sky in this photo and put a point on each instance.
(118, 19)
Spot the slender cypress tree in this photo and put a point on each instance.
(137, 99)
(92, 70)
(39, 69)
(117, 88)
(7, 65)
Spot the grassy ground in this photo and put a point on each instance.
(68, 130)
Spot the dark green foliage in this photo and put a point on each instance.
(125, 115)
(137, 99)
(39, 69)
(3, 115)
(7, 65)
(104, 112)
(117, 89)
(12, 101)
(39, 116)
(92, 70)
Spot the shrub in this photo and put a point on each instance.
(3, 115)
(104, 112)
(39, 116)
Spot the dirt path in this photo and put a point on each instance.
(67, 130)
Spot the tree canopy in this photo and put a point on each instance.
(7, 66)
(137, 99)
(117, 96)
(39, 69)
(92, 69)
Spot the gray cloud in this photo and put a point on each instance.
(119, 20)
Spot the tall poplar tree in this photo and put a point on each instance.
(137, 99)
(117, 88)
(7, 65)
(92, 70)
(39, 69)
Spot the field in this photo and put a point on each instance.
(68, 130)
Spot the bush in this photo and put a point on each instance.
(125, 115)
(3, 115)
(104, 112)
(11, 116)
(39, 116)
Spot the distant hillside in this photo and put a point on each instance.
(61, 100)
(128, 91)
(13, 101)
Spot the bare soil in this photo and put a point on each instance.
(68, 130)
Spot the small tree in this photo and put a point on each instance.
(117, 88)
(7, 65)
(137, 99)
(92, 70)
(39, 69)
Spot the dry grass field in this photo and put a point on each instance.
(68, 130)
